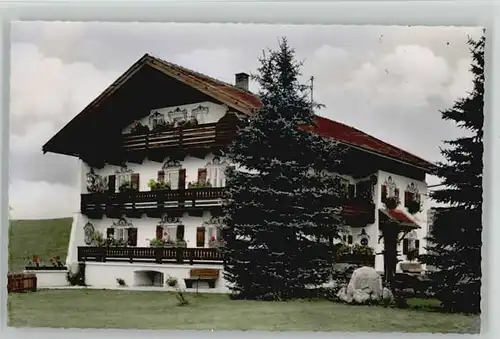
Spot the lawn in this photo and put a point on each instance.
(89, 308)
(45, 238)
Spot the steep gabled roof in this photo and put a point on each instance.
(246, 102)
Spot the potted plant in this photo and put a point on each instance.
(125, 186)
(157, 185)
(342, 249)
(181, 243)
(362, 250)
(171, 281)
(138, 128)
(391, 202)
(199, 184)
(155, 242)
(412, 255)
(413, 206)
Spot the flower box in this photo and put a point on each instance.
(46, 268)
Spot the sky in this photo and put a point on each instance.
(388, 81)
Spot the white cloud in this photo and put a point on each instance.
(42, 200)
(49, 88)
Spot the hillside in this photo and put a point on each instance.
(45, 238)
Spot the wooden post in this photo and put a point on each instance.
(390, 234)
(159, 255)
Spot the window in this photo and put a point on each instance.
(347, 238)
(202, 175)
(124, 177)
(156, 119)
(172, 177)
(123, 230)
(216, 173)
(171, 233)
(172, 173)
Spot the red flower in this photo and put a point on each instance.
(35, 258)
(212, 238)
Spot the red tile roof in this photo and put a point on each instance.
(400, 217)
(356, 138)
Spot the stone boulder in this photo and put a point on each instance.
(387, 295)
(365, 285)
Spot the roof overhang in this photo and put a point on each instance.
(396, 218)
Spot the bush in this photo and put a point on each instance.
(171, 281)
(77, 278)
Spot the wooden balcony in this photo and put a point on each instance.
(157, 255)
(359, 212)
(187, 138)
(191, 256)
(153, 203)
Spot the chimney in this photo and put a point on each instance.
(242, 81)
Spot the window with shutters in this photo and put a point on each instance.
(347, 238)
(412, 199)
(390, 194)
(124, 178)
(123, 231)
(411, 243)
(171, 172)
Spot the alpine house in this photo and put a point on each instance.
(152, 169)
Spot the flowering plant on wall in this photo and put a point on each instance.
(199, 184)
(158, 185)
(138, 128)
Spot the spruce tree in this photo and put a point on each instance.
(282, 203)
(454, 243)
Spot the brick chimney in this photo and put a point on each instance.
(242, 81)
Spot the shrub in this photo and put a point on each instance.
(171, 281)
(181, 299)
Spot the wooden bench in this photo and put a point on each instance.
(207, 275)
(411, 267)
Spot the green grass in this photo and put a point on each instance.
(45, 238)
(158, 310)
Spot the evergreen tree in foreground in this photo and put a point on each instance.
(281, 211)
(455, 241)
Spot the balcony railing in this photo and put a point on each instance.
(157, 255)
(359, 212)
(191, 137)
(157, 200)
(161, 255)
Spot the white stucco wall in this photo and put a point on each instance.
(105, 274)
(149, 170)
(50, 278)
(146, 228)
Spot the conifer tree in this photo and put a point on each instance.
(454, 243)
(281, 213)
